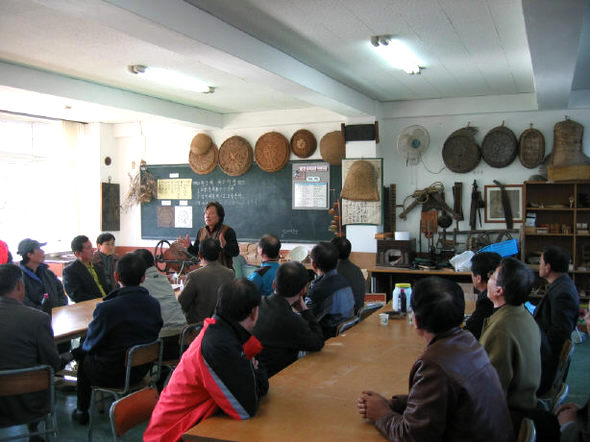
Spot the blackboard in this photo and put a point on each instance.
(255, 203)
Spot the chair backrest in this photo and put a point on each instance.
(132, 410)
(527, 431)
(188, 335)
(563, 365)
(20, 381)
(368, 309)
(25, 380)
(346, 324)
(144, 354)
(559, 397)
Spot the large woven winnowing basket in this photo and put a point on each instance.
(361, 182)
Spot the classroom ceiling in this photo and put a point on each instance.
(69, 59)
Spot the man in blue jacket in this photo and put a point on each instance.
(128, 316)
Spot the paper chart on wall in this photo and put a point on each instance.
(183, 217)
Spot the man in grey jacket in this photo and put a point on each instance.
(199, 296)
(159, 287)
(27, 341)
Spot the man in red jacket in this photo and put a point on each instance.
(217, 371)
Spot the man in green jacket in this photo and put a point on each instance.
(511, 336)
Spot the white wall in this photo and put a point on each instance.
(411, 178)
(162, 143)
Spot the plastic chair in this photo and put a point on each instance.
(136, 355)
(368, 309)
(346, 324)
(132, 410)
(30, 380)
(527, 432)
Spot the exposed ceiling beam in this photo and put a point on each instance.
(553, 29)
(44, 82)
(234, 50)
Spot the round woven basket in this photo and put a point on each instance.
(272, 152)
(461, 153)
(332, 148)
(361, 182)
(235, 156)
(531, 148)
(200, 144)
(303, 143)
(499, 147)
(203, 164)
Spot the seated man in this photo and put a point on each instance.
(511, 337)
(557, 313)
(454, 393)
(351, 272)
(105, 255)
(283, 332)
(482, 266)
(27, 341)
(218, 371)
(159, 287)
(84, 280)
(269, 247)
(330, 297)
(39, 280)
(199, 296)
(128, 316)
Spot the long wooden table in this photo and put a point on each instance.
(384, 278)
(315, 398)
(71, 321)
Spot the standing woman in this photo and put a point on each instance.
(214, 228)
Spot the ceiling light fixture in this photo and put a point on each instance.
(396, 53)
(171, 78)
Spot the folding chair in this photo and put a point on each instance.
(346, 324)
(132, 410)
(30, 380)
(136, 355)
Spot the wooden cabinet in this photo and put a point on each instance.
(561, 213)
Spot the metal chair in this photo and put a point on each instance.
(368, 309)
(132, 410)
(185, 338)
(346, 324)
(136, 355)
(30, 380)
(559, 397)
(527, 432)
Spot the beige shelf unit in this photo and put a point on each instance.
(550, 201)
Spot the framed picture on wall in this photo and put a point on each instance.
(494, 210)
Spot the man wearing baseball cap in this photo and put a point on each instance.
(39, 280)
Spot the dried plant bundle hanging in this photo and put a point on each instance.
(143, 188)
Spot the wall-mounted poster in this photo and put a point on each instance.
(311, 182)
(362, 191)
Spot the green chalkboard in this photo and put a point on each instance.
(255, 203)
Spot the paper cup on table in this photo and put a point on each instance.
(383, 318)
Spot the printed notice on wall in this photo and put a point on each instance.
(311, 182)
(179, 189)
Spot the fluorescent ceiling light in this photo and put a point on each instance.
(396, 53)
(171, 78)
